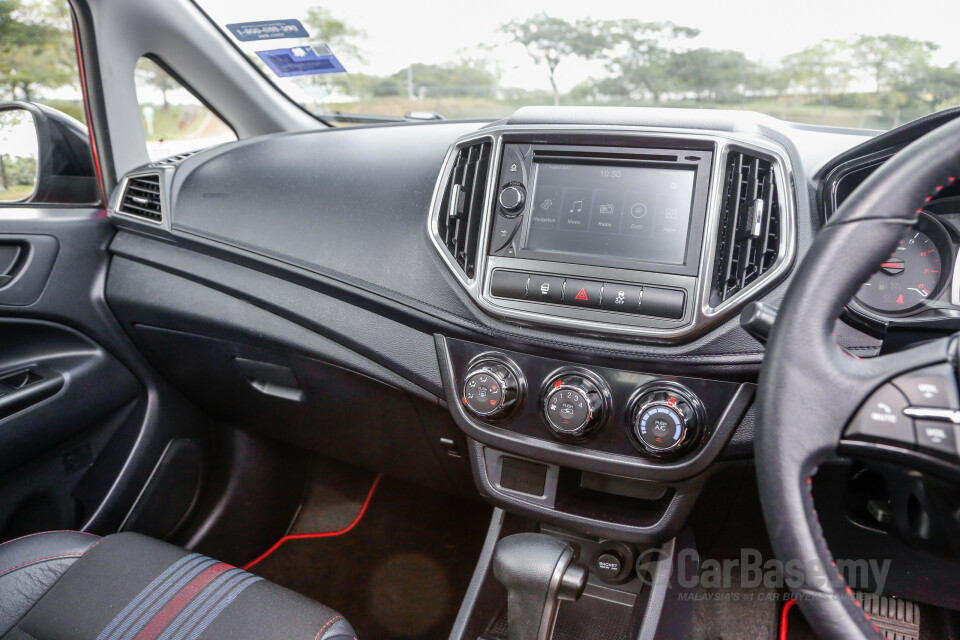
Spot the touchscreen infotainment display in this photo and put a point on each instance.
(627, 212)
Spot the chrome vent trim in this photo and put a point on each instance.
(748, 238)
(705, 314)
(141, 198)
(462, 206)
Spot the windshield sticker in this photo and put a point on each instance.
(301, 61)
(267, 30)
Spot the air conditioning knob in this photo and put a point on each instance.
(492, 389)
(665, 419)
(575, 404)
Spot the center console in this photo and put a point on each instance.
(643, 234)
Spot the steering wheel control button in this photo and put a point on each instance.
(575, 404)
(937, 437)
(665, 419)
(511, 200)
(582, 293)
(934, 387)
(662, 303)
(881, 418)
(620, 297)
(545, 288)
(492, 389)
(509, 284)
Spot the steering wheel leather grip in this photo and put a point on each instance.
(810, 388)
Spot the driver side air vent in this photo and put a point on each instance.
(461, 209)
(748, 239)
(141, 198)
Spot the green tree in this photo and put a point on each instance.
(933, 86)
(642, 62)
(36, 47)
(819, 70)
(890, 59)
(153, 75)
(712, 74)
(334, 32)
(462, 78)
(550, 40)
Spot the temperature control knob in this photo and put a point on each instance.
(665, 419)
(575, 403)
(491, 389)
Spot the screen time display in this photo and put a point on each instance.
(633, 213)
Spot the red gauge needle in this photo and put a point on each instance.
(892, 267)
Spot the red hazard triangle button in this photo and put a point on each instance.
(582, 293)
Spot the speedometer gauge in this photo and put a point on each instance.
(908, 278)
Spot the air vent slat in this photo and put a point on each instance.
(748, 240)
(461, 211)
(141, 198)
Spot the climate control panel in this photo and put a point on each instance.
(657, 418)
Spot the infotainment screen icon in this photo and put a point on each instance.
(636, 213)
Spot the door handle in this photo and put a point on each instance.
(26, 262)
(13, 256)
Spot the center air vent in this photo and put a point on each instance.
(748, 239)
(141, 197)
(461, 209)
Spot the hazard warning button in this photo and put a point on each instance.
(582, 293)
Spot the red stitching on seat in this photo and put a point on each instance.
(62, 555)
(324, 627)
(43, 533)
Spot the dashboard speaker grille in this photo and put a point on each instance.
(461, 209)
(748, 239)
(141, 198)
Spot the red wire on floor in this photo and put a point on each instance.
(783, 618)
(322, 534)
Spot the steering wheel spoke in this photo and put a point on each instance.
(912, 417)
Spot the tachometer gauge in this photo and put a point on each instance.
(911, 276)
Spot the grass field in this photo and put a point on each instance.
(16, 192)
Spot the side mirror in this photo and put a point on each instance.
(45, 157)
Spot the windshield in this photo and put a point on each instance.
(865, 64)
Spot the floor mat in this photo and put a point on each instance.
(399, 571)
(734, 612)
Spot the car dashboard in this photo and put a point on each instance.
(551, 299)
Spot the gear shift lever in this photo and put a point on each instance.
(538, 571)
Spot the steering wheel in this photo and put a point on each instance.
(811, 389)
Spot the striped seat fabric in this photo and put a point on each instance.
(130, 587)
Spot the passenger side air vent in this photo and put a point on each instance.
(748, 240)
(141, 197)
(461, 209)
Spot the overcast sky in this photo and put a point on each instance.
(399, 33)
